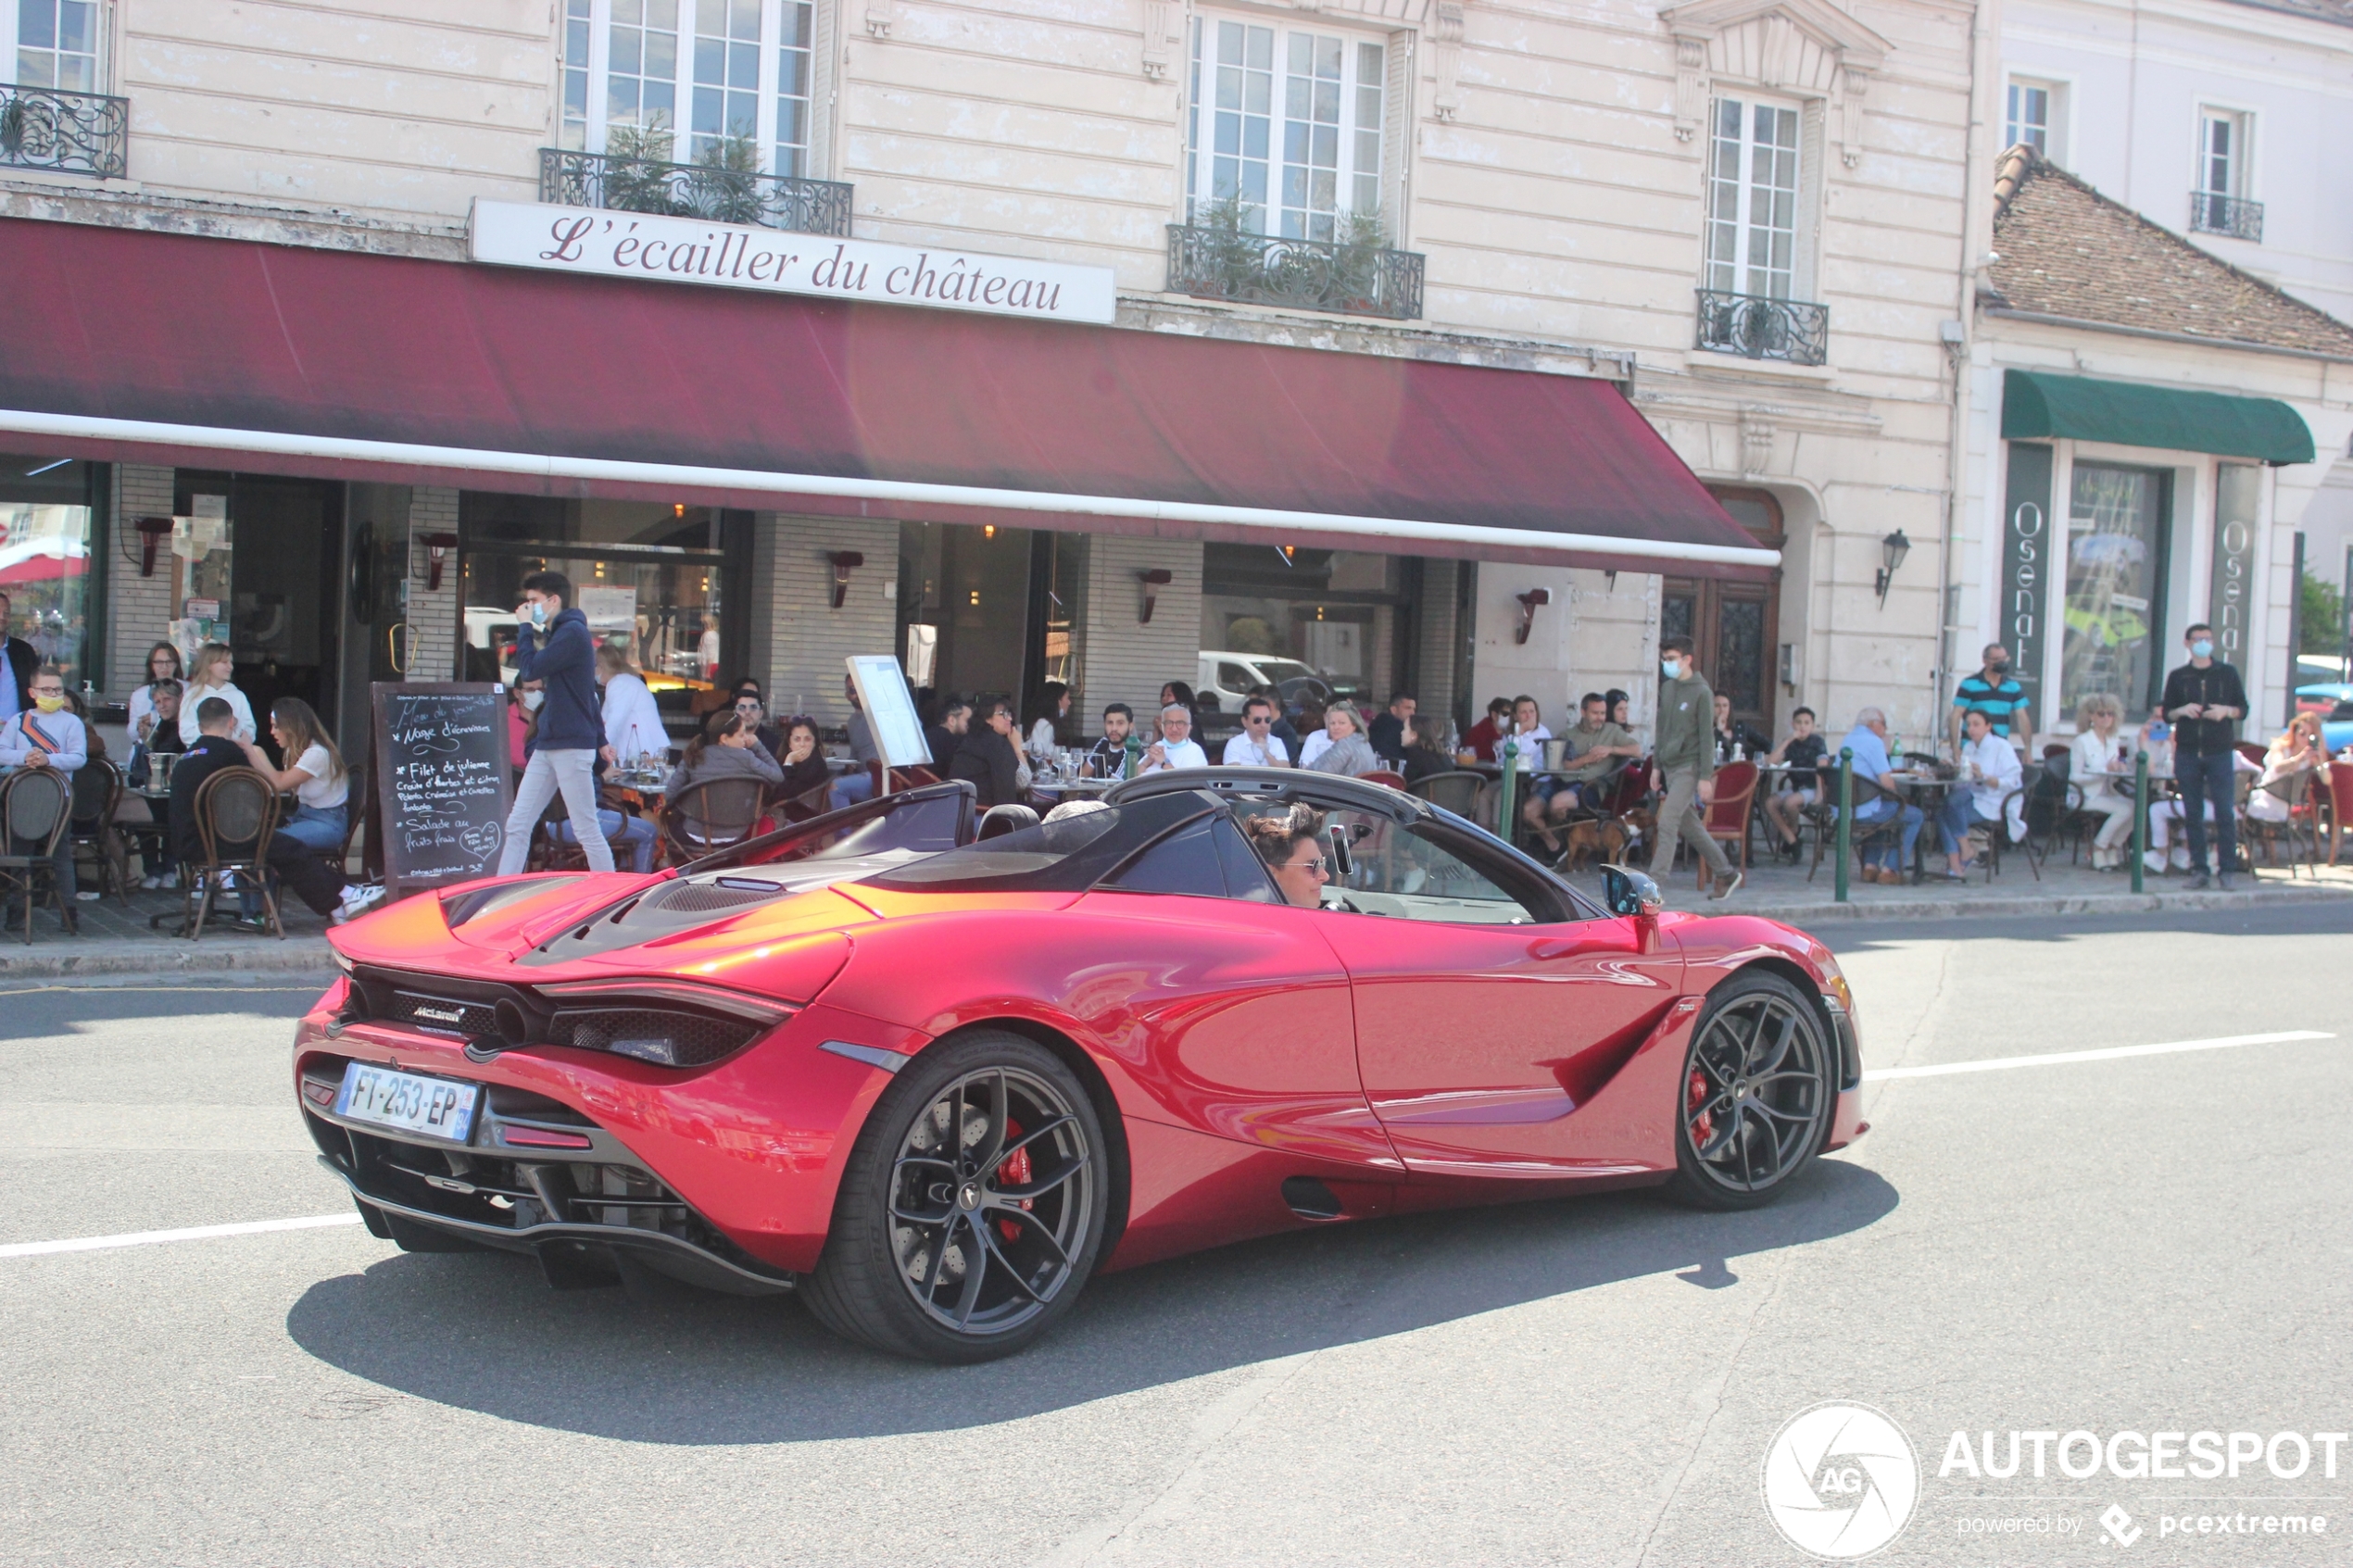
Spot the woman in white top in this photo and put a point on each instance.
(2299, 748)
(213, 673)
(1043, 736)
(163, 664)
(322, 788)
(633, 725)
(2100, 756)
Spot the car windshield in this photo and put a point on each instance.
(1069, 855)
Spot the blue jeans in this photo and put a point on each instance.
(638, 833)
(1891, 858)
(310, 828)
(851, 788)
(1959, 814)
(2206, 781)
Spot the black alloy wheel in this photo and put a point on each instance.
(973, 1207)
(1755, 1095)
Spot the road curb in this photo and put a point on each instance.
(2013, 908)
(57, 961)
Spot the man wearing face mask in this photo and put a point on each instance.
(2205, 700)
(552, 647)
(1996, 693)
(1685, 765)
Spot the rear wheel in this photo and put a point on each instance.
(973, 1207)
(1755, 1096)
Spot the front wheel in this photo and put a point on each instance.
(973, 1207)
(1756, 1094)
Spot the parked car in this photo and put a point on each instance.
(1229, 677)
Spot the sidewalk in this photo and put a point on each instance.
(117, 941)
(1781, 892)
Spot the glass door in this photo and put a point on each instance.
(2117, 539)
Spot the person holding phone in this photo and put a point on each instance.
(2204, 701)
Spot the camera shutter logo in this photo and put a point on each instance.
(1841, 1480)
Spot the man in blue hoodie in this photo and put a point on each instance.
(553, 648)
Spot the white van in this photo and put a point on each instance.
(1229, 677)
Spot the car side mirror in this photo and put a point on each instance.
(1630, 892)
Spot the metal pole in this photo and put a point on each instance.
(1506, 814)
(1845, 816)
(2140, 816)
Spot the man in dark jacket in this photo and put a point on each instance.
(216, 748)
(17, 662)
(1684, 746)
(2205, 700)
(554, 648)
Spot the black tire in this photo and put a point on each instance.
(1758, 1088)
(916, 1213)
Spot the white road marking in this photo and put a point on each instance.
(192, 1233)
(2053, 1058)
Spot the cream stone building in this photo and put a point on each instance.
(1755, 220)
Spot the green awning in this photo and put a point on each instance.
(2038, 406)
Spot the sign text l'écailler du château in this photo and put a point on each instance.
(685, 250)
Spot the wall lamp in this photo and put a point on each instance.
(844, 563)
(1528, 604)
(1893, 549)
(152, 532)
(437, 548)
(1159, 577)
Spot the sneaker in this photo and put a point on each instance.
(357, 901)
(2154, 861)
(2181, 858)
(171, 882)
(2227, 881)
(2198, 881)
(86, 896)
(150, 881)
(1728, 884)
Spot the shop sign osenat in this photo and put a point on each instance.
(735, 256)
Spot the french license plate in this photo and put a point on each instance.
(407, 1102)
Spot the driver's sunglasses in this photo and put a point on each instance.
(1317, 864)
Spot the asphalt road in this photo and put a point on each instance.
(2145, 1243)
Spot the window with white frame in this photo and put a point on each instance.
(2032, 114)
(56, 44)
(1753, 197)
(2222, 152)
(1286, 123)
(705, 72)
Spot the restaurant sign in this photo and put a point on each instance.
(688, 250)
(2024, 587)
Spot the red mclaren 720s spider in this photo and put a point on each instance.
(933, 1069)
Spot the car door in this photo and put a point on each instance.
(1487, 1010)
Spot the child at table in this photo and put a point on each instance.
(1801, 786)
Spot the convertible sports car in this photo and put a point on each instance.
(935, 1073)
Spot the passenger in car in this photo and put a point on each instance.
(1292, 847)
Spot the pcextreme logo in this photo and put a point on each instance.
(1841, 1480)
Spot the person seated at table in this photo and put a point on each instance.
(2099, 760)
(728, 747)
(632, 722)
(1735, 735)
(947, 732)
(1257, 745)
(163, 729)
(1488, 733)
(1107, 759)
(1392, 732)
(522, 739)
(804, 758)
(1867, 740)
(1593, 752)
(1344, 750)
(316, 777)
(754, 707)
(213, 673)
(1292, 847)
(1801, 753)
(48, 735)
(2169, 822)
(216, 748)
(1176, 747)
(2299, 748)
(1053, 707)
(989, 760)
(1282, 728)
(1989, 770)
(1621, 708)
(163, 664)
(1528, 734)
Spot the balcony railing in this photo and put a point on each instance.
(1211, 262)
(1759, 328)
(2212, 213)
(690, 190)
(70, 132)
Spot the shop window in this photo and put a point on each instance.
(2119, 539)
(58, 44)
(46, 507)
(1286, 123)
(1312, 622)
(694, 75)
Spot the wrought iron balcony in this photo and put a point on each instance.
(1214, 262)
(70, 132)
(1758, 328)
(2212, 213)
(693, 189)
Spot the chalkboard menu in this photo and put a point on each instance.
(442, 781)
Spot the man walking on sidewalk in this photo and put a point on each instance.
(1685, 749)
(2205, 701)
(552, 647)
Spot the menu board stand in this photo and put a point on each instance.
(444, 785)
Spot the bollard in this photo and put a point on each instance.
(1506, 810)
(2140, 815)
(1845, 815)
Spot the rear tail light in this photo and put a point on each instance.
(318, 1094)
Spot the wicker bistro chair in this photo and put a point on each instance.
(1388, 776)
(1461, 791)
(36, 811)
(2340, 805)
(97, 791)
(1863, 836)
(237, 811)
(712, 815)
(1725, 817)
(814, 801)
(2301, 824)
(548, 852)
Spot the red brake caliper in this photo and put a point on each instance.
(1705, 1126)
(1014, 1171)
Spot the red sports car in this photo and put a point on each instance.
(933, 1072)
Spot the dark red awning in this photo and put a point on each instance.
(118, 343)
